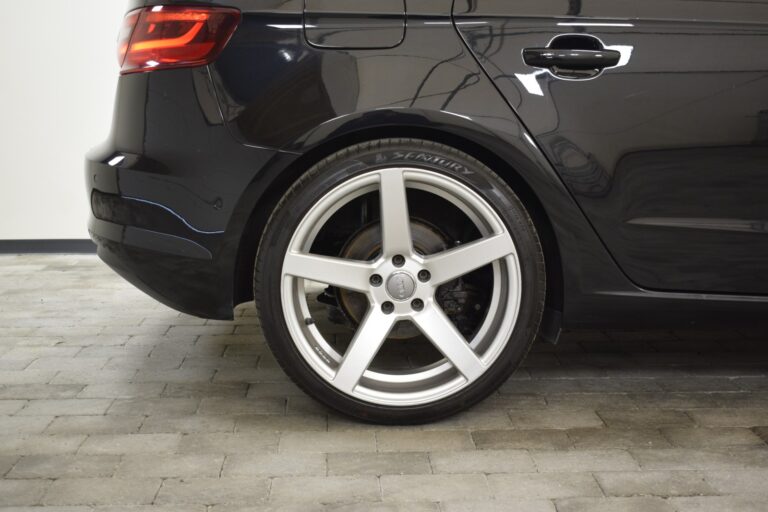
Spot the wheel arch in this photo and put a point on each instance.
(246, 253)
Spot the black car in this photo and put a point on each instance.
(413, 190)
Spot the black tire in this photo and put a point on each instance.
(336, 169)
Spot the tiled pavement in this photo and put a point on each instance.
(110, 401)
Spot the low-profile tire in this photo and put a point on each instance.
(400, 281)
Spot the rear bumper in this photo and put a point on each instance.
(172, 192)
(147, 245)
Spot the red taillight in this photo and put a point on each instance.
(124, 38)
(163, 37)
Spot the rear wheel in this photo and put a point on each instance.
(400, 281)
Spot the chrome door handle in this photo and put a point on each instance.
(570, 59)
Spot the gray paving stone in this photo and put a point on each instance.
(16, 331)
(720, 504)
(143, 508)
(506, 505)
(364, 506)
(755, 399)
(274, 423)
(327, 442)
(119, 331)
(101, 491)
(753, 383)
(543, 485)
(14, 364)
(73, 333)
(170, 466)
(26, 376)
(381, 507)
(554, 418)
(711, 437)
(118, 444)
(10, 425)
(567, 372)
(250, 375)
(8, 407)
(507, 402)
(591, 401)
(654, 483)
(68, 363)
(183, 375)
(40, 351)
(561, 386)
(709, 459)
(38, 391)
(170, 363)
(762, 433)
(95, 425)
(749, 481)
(206, 389)
(639, 504)
(698, 384)
(154, 407)
(115, 350)
(332, 489)
(51, 509)
(521, 439)
(66, 407)
(40, 444)
(64, 466)
(83, 378)
(434, 487)
(185, 424)
(6, 463)
(273, 464)
(155, 340)
(22, 492)
(269, 405)
(485, 461)
(743, 417)
(419, 441)
(644, 418)
(123, 390)
(363, 463)
(616, 438)
(228, 444)
(584, 460)
(677, 400)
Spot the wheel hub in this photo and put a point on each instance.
(401, 286)
(366, 246)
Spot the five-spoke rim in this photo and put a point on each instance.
(400, 286)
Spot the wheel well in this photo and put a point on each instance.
(256, 223)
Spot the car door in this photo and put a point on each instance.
(655, 115)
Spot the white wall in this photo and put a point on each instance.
(58, 71)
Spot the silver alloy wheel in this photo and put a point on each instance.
(464, 360)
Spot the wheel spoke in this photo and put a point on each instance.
(462, 260)
(365, 345)
(348, 274)
(447, 339)
(395, 220)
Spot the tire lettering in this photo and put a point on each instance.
(432, 159)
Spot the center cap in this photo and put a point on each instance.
(401, 286)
